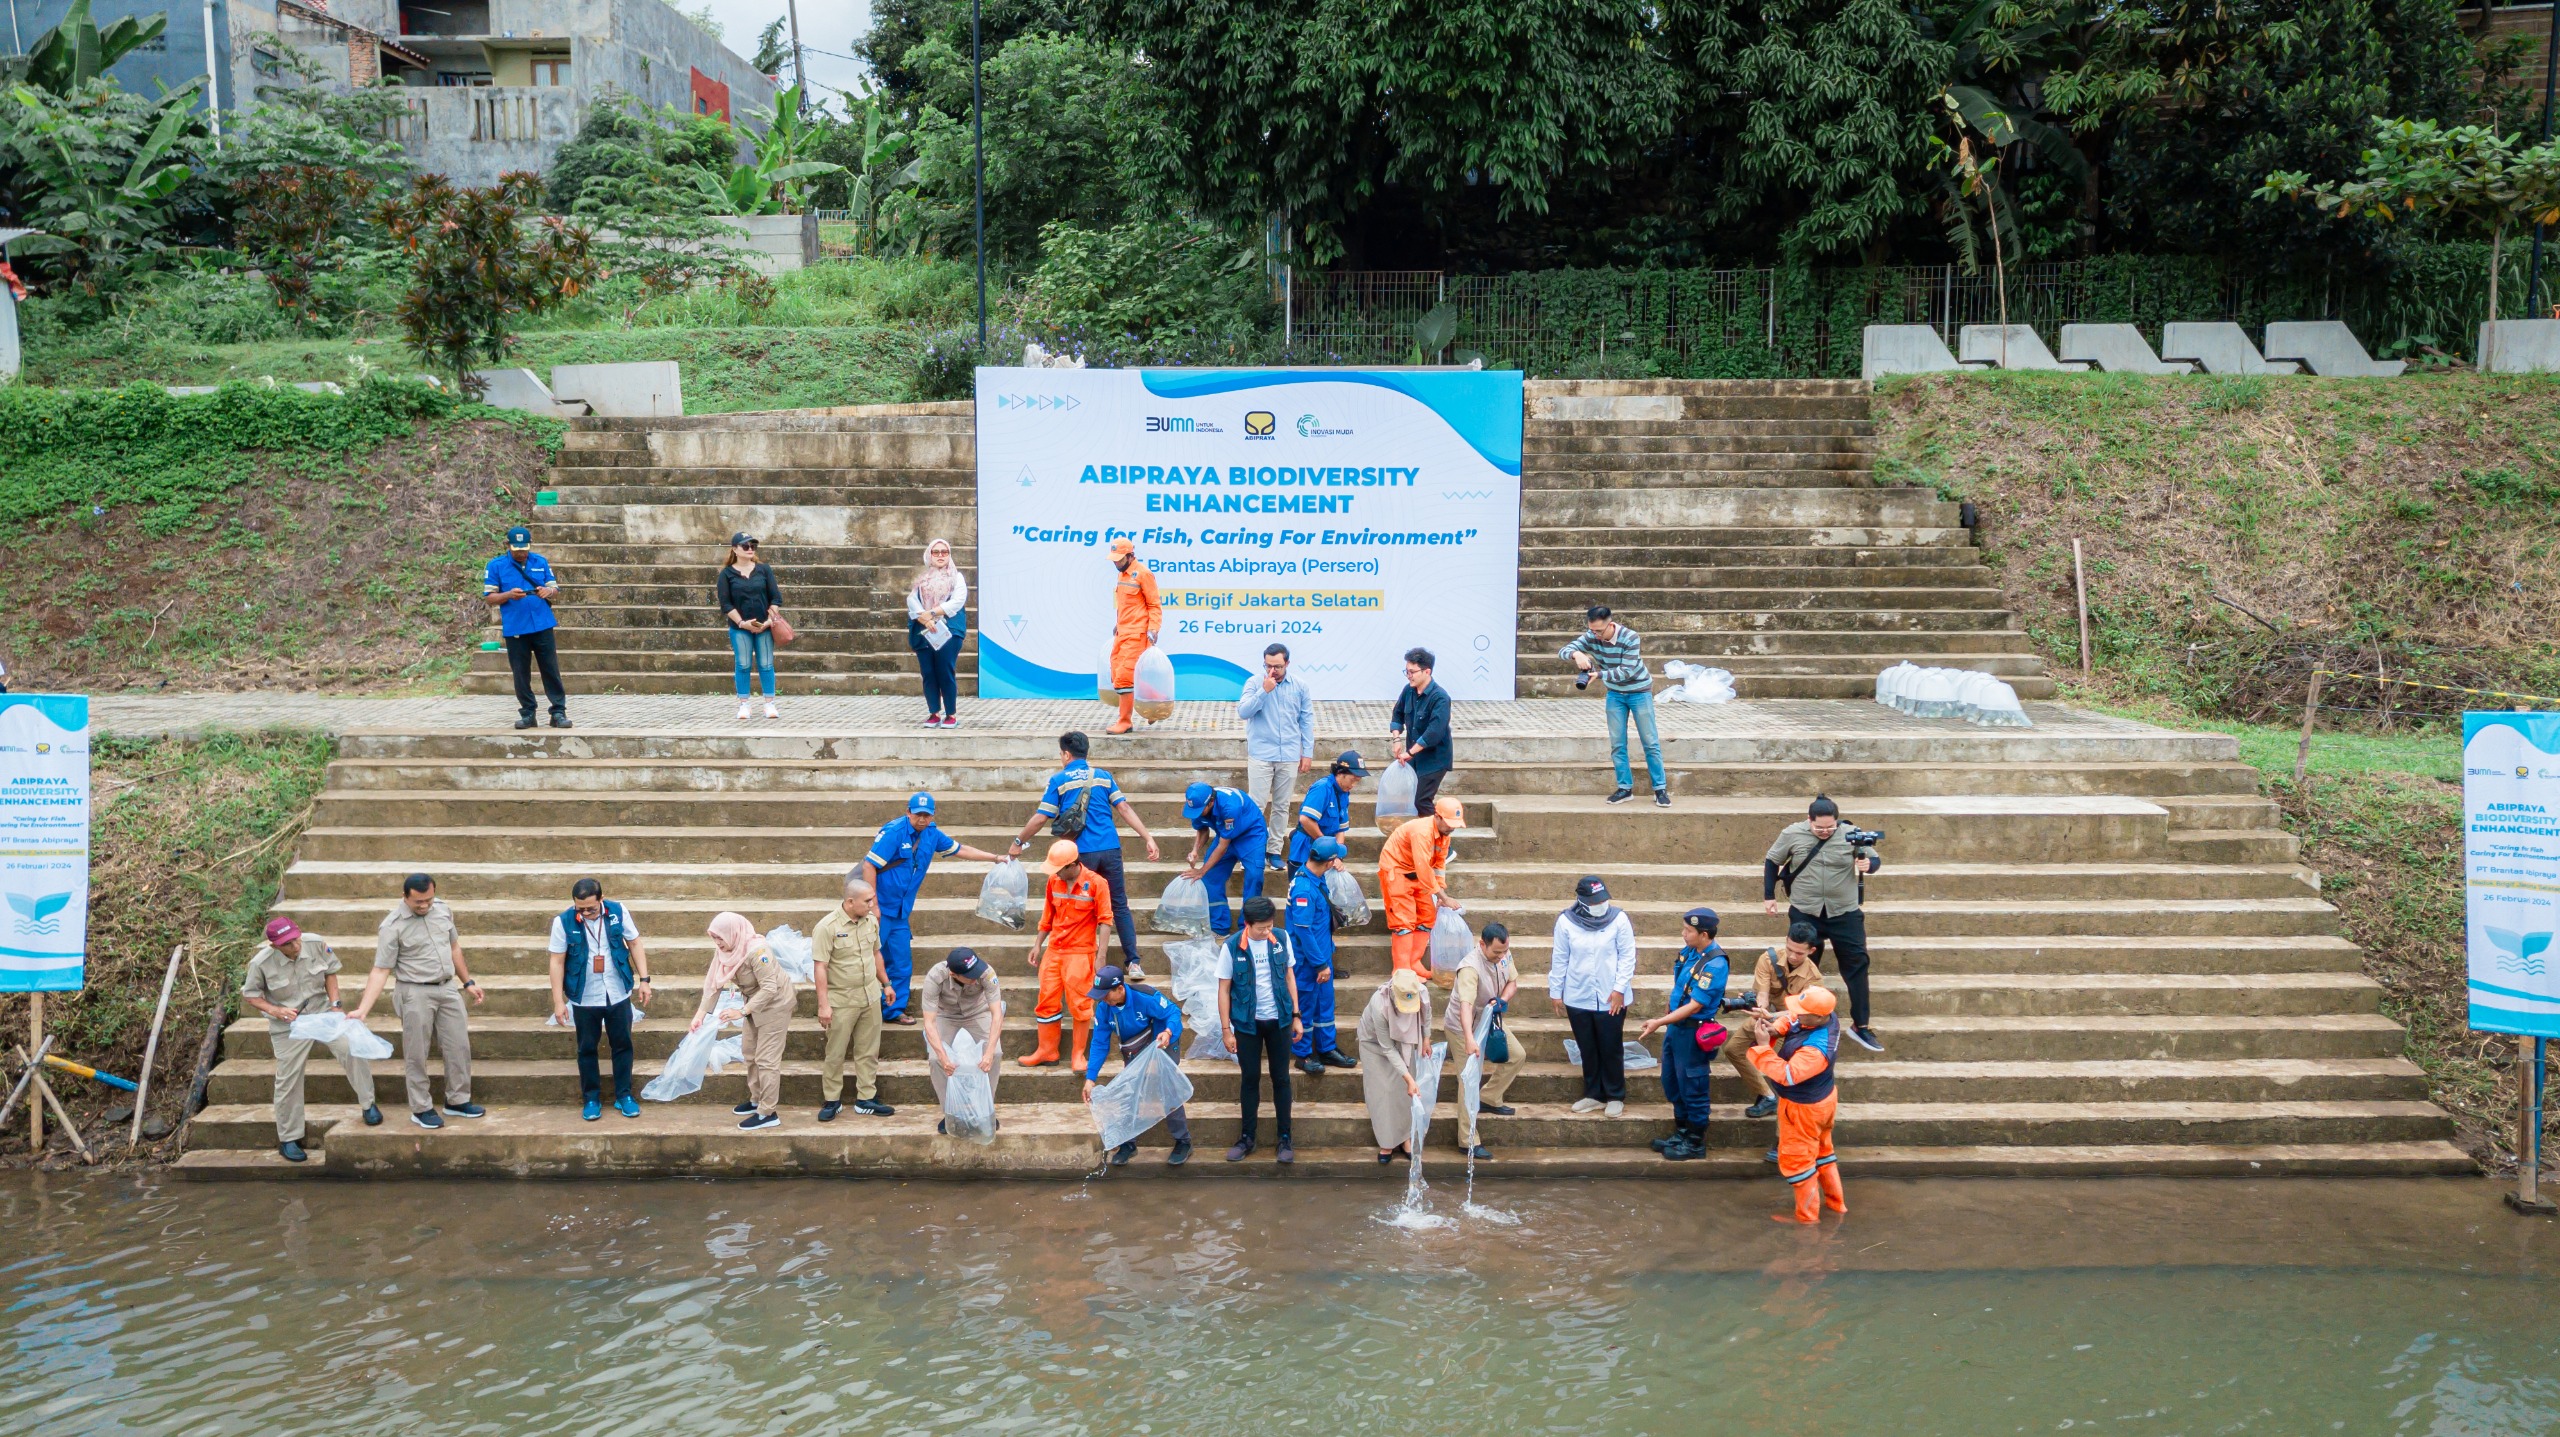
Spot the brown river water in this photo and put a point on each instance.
(1219, 1308)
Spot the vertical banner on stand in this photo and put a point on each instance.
(44, 842)
(1348, 514)
(2511, 870)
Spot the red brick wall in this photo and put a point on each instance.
(2531, 24)
(710, 97)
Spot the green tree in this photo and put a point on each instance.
(102, 167)
(293, 219)
(1152, 281)
(475, 272)
(78, 50)
(772, 51)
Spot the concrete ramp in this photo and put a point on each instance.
(2117, 349)
(2220, 348)
(2329, 349)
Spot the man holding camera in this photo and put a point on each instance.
(1824, 867)
(1615, 653)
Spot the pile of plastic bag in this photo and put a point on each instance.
(791, 953)
(1150, 1087)
(329, 1025)
(1635, 1058)
(1950, 693)
(1197, 968)
(1451, 941)
(968, 1096)
(1696, 684)
(1183, 909)
(1395, 795)
(1343, 892)
(1154, 686)
(1007, 891)
(702, 1052)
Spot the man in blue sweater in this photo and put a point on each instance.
(1132, 1018)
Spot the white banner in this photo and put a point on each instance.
(44, 842)
(1349, 514)
(2511, 869)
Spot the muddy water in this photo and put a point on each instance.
(1229, 1307)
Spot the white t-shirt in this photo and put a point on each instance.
(592, 989)
(1265, 1010)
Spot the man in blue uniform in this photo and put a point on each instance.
(1310, 922)
(895, 868)
(519, 584)
(1130, 1019)
(1080, 803)
(1228, 823)
(1698, 980)
(1327, 810)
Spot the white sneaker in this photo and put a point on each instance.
(1615, 1109)
(745, 709)
(1586, 1105)
(771, 712)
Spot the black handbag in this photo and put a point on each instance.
(1497, 1044)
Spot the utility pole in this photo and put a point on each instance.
(978, 118)
(2533, 301)
(799, 63)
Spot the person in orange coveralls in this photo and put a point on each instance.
(1795, 1050)
(1412, 877)
(1063, 955)
(1137, 614)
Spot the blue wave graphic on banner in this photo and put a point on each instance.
(1482, 406)
(1004, 674)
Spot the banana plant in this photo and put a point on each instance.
(78, 49)
(769, 183)
(102, 184)
(865, 197)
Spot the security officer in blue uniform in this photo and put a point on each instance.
(895, 867)
(1327, 810)
(1697, 995)
(1228, 824)
(1310, 922)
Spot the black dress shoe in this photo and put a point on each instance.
(293, 1152)
(1497, 1109)
(1311, 1067)
(1120, 1155)
(1333, 1058)
(827, 1111)
(372, 1116)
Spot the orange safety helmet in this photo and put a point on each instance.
(1061, 854)
(1816, 1001)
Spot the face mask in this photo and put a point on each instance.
(1596, 909)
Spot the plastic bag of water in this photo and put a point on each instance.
(1183, 909)
(329, 1025)
(1150, 1087)
(1350, 904)
(1007, 891)
(968, 1097)
(1395, 793)
(1450, 941)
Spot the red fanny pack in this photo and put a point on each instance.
(1711, 1036)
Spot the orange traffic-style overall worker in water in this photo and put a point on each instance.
(1795, 1052)
(1137, 614)
(1063, 956)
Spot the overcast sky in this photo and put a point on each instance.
(828, 29)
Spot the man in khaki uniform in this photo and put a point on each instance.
(291, 975)
(1782, 973)
(845, 946)
(419, 947)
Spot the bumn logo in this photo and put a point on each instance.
(1162, 424)
(1259, 424)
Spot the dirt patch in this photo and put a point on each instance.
(321, 572)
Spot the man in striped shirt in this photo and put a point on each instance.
(1616, 653)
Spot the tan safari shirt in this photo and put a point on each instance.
(848, 951)
(417, 948)
(301, 984)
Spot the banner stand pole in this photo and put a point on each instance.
(2528, 1198)
(35, 1044)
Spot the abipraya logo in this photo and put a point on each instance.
(38, 917)
(1310, 427)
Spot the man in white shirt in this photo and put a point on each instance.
(1591, 976)
(1257, 1005)
(1279, 747)
(599, 973)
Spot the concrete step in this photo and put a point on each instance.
(1540, 431)
(1868, 650)
(1546, 448)
(1543, 631)
(2242, 845)
(1640, 509)
(596, 678)
(1578, 544)
(1843, 686)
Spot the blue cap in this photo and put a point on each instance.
(1327, 848)
(1105, 978)
(519, 537)
(1703, 919)
(1350, 763)
(920, 802)
(1194, 799)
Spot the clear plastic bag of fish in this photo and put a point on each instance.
(702, 1052)
(1195, 974)
(1632, 1059)
(1471, 1072)
(1183, 909)
(1153, 686)
(1005, 894)
(968, 1096)
(1208, 1040)
(1350, 904)
(1451, 941)
(328, 1025)
(1395, 794)
(1148, 1089)
(792, 954)
(1426, 1089)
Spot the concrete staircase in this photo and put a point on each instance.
(1737, 523)
(1733, 522)
(2095, 951)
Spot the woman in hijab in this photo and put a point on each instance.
(937, 620)
(1394, 1030)
(741, 959)
(1591, 975)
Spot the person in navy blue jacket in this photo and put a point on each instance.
(520, 585)
(1698, 981)
(1131, 1019)
(1421, 717)
(1257, 1005)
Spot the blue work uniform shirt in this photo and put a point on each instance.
(1699, 977)
(1310, 922)
(530, 614)
(1230, 812)
(1074, 784)
(1329, 804)
(903, 853)
(1143, 1016)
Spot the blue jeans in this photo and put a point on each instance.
(1641, 706)
(755, 651)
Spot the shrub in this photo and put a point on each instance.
(292, 218)
(474, 272)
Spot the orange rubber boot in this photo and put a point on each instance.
(1047, 1050)
(1128, 705)
(1834, 1196)
(1808, 1206)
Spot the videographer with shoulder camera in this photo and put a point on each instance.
(1823, 865)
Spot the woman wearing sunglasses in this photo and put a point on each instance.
(752, 601)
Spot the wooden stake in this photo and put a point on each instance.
(2302, 750)
(2529, 1090)
(151, 1049)
(25, 1080)
(2080, 582)
(44, 1090)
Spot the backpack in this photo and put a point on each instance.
(1071, 820)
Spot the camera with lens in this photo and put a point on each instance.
(1583, 682)
(1861, 837)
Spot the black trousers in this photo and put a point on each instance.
(1847, 935)
(1426, 787)
(1602, 1036)
(1264, 1042)
(523, 652)
(1107, 863)
(612, 1021)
